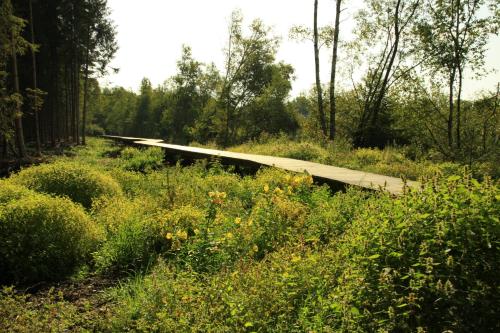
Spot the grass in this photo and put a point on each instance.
(405, 162)
(201, 249)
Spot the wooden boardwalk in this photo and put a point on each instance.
(339, 177)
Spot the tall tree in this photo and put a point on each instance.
(13, 43)
(387, 21)
(452, 36)
(100, 47)
(36, 93)
(319, 90)
(333, 102)
(248, 61)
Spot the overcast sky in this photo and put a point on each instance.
(151, 33)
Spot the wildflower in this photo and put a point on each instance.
(169, 236)
(255, 248)
(217, 197)
(288, 178)
(278, 191)
(229, 235)
(266, 188)
(250, 222)
(196, 231)
(290, 190)
(181, 234)
(237, 220)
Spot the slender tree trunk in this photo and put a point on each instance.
(333, 102)
(450, 108)
(72, 100)
(319, 90)
(86, 88)
(4, 147)
(382, 92)
(459, 102)
(76, 102)
(67, 116)
(18, 123)
(35, 107)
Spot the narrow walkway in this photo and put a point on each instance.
(326, 173)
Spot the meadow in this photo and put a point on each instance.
(109, 239)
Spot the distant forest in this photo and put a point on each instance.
(414, 55)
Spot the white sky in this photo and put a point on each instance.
(151, 33)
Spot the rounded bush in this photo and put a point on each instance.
(43, 238)
(10, 192)
(80, 183)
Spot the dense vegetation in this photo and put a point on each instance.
(101, 237)
(200, 248)
(401, 82)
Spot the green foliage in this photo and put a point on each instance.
(10, 192)
(134, 236)
(390, 161)
(209, 250)
(428, 260)
(43, 238)
(145, 160)
(22, 316)
(80, 183)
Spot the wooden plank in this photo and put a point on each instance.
(324, 172)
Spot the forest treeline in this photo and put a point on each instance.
(50, 51)
(413, 56)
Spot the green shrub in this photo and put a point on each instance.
(44, 238)
(427, 261)
(142, 160)
(80, 183)
(20, 315)
(10, 192)
(134, 235)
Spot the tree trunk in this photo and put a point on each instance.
(67, 115)
(459, 102)
(76, 102)
(18, 123)
(35, 107)
(383, 88)
(333, 102)
(319, 90)
(86, 88)
(450, 108)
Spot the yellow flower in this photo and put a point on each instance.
(196, 231)
(181, 234)
(295, 258)
(229, 235)
(237, 220)
(255, 248)
(250, 222)
(169, 235)
(288, 178)
(266, 188)
(278, 191)
(217, 197)
(290, 189)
